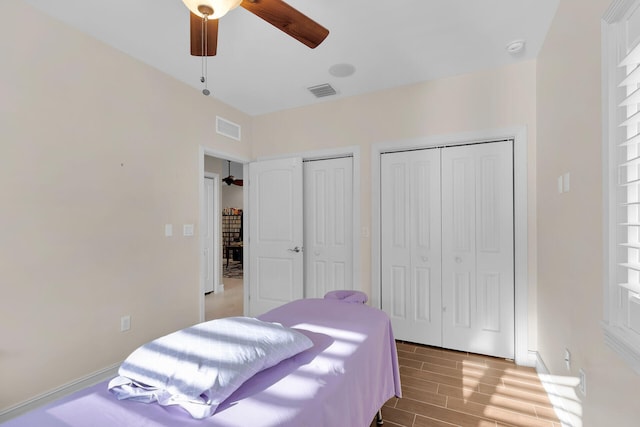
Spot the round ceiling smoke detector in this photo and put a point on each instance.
(515, 47)
(342, 70)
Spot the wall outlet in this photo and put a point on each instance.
(567, 359)
(582, 385)
(125, 323)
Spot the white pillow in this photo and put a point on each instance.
(200, 366)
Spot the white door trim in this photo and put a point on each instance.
(217, 284)
(204, 151)
(519, 136)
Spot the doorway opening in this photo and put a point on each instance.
(213, 159)
(223, 205)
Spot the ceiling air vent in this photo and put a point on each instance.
(227, 128)
(321, 91)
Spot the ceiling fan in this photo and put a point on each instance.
(230, 179)
(205, 15)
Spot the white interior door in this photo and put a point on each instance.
(328, 226)
(478, 249)
(275, 230)
(410, 218)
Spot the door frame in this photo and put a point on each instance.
(354, 153)
(519, 137)
(215, 234)
(202, 152)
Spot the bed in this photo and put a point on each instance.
(346, 376)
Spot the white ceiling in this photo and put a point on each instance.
(259, 69)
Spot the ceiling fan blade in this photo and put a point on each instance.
(289, 20)
(197, 36)
(238, 182)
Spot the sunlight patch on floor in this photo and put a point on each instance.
(563, 394)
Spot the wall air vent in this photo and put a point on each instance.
(320, 91)
(227, 128)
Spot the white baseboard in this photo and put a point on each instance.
(532, 359)
(58, 392)
(541, 368)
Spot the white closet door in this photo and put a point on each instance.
(478, 249)
(410, 214)
(275, 226)
(328, 226)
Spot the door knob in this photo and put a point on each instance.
(296, 249)
(458, 259)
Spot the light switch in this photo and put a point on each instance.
(168, 230)
(560, 185)
(187, 230)
(125, 323)
(566, 182)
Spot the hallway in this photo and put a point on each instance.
(227, 303)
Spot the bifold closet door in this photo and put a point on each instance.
(410, 237)
(328, 226)
(478, 249)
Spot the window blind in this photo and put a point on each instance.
(628, 192)
(621, 178)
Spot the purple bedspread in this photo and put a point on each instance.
(343, 380)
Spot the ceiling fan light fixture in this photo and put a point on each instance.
(219, 7)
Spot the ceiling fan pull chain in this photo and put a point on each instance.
(202, 30)
(205, 75)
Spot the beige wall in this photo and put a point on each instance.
(97, 153)
(232, 197)
(487, 100)
(570, 243)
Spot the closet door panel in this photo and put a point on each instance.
(477, 200)
(328, 229)
(461, 298)
(397, 298)
(411, 291)
(495, 251)
(396, 251)
(422, 290)
(458, 245)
